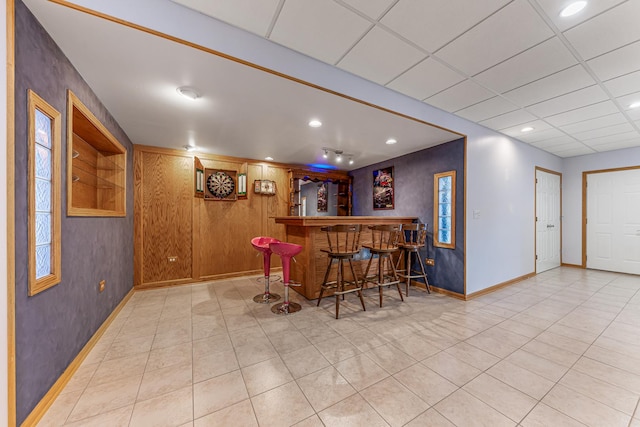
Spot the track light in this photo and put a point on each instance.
(326, 154)
(339, 154)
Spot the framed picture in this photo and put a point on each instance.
(322, 197)
(383, 188)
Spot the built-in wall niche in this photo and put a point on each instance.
(96, 165)
(338, 195)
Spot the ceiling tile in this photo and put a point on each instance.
(634, 114)
(300, 22)
(606, 32)
(513, 29)
(624, 85)
(539, 61)
(618, 145)
(425, 79)
(486, 109)
(542, 135)
(613, 138)
(562, 82)
(554, 7)
(440, 21)
(538, 126)
(513, 118)
(371, 8)
(585, 113)
(613, 64)
(370, 57)
(459, 96)
(556, 142)
(571, 101)
(585, 125)
(626, 100)
(250, 15)
(609, 130)
(572, 152)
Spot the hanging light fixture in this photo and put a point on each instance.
(338, 154)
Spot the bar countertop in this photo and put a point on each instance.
(321, 221)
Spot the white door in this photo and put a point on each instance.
(548, 221)
(613, 221)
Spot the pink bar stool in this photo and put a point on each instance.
(261, 244)
(286, 251)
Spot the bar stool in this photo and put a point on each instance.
(413, 239)
(384, 243)
(261, 244)
(344, 243)
(286, 251)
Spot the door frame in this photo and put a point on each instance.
(585, 175)
(535, 213)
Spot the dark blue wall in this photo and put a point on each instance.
(54, 325)
(413, 181)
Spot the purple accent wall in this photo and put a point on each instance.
(54, 325)
(413, 187)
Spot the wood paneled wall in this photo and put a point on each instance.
(209, 239)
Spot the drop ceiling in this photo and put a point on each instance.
(506, 65)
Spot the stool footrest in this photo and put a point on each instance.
(347, 291)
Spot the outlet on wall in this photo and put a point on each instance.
(102, 285)
(172, 258)
(430, 261)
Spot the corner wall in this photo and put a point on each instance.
(54, 325)
(413, 194)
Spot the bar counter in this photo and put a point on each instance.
(311, 263)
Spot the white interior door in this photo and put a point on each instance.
(548, 221)
(613, 221)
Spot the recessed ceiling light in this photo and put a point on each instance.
(350, 161)
(573, 8)
(391, 141)
(268, 158)
(315, 123)
(634, 104)
(188, 92)
(526, 129)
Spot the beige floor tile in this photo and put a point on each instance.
(609, 394)
(240, 414)
(218, 393)
(283, 406)
(565, 343)
(365, 340)
(312, 421)
(550, 352)
(545, 416)
(265, 375)
(208, 366)
(119, 369)
(390, 358)
(463, 409)
(609, 374)
(576, 334)
(286, 342)
(80, 378)
(584, 409)
(621, 361)
(172, 337)
(521, 379)
(438, 337)
(500, 396)
(415, 346)
(123, 347)
(618, 346)
(425, 383)
(105, 397)
(167, 410)
(337, 349)
(251, 354)
(212, 344)
(473, 356)
(452, 368)
(117, 418)
(170, 356)
(539, 365)
(496, 346)
(394, 402)
(635, 422)
(352, 411)
(165, 380)
(431, 418)
(360, 371)
(57, 414)
(325, 388)
(304, 361)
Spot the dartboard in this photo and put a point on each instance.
(220, 185)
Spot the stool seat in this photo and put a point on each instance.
(261, 244)
(343, 244)
(286, 251)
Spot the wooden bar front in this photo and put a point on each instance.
(311, 263)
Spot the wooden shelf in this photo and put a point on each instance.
(96, 165)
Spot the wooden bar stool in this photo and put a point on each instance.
(344, 243)
(413, 239)
(384, 243)
(286, 251)
(261, 244)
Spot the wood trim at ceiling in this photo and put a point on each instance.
(10, 194)
(240, 61)
(585, 174)
(535, 211)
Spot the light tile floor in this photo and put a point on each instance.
(559, 349)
